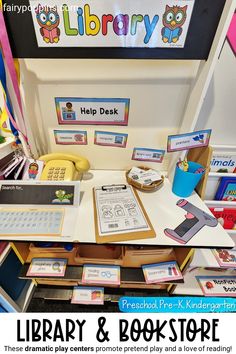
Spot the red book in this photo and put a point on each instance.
(3, 245)
(225, 216)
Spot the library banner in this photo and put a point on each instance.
(111, 23)
(117, 333)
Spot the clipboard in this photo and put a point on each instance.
(130, 233)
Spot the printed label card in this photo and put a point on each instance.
(188, 141)
(145, 154)
(139, 24)
(32, 170)
(225, 162)
(87, 295)
(225, 258)
(110, 139)
(218, 285)
(101, 274)
(70, 137)
(92, 111)
(161, 272)
(47, 267)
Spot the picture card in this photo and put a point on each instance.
(161, 272)
(92, 111)
(188, 141)
(110, 139)
(47, 267)
(217, 285)
(70, 137)
(146, 154)
(33, 169)
(101, 274)
(225, 258)
(87, 295)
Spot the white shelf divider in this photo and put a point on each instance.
(221, 174)
(220, 203)
(25, 296)
(4, 254)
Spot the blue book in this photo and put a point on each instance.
(226, 189)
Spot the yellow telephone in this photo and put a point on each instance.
(63, 167)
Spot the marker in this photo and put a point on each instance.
(174, 271)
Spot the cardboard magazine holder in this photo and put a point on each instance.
(99, 254)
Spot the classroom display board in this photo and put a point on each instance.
(118, 29)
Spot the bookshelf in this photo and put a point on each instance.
(143, 82)
(204, 258)
(15, 294)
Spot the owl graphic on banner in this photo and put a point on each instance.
(48, 20)
(173, 20)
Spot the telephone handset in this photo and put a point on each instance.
(63, 167)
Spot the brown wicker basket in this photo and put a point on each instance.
(147, 188)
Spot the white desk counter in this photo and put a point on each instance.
(160, 207)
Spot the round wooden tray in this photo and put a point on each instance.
(147, 188)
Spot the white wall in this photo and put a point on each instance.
(158, 91)
(219, 108)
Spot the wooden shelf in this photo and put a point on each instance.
(130, 278)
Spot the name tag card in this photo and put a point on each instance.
(145, 154)
(161, 272)
(110, 139)
(188, 141)
(47, 267)
(101, 274)
(218, 286)
(70, 137)
(87, 296)
(91, 111)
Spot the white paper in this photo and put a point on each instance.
(118, 211)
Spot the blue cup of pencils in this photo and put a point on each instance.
(187, 176)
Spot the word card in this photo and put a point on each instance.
(87, 296)
(161, 272)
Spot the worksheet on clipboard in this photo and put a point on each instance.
(119, 211)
